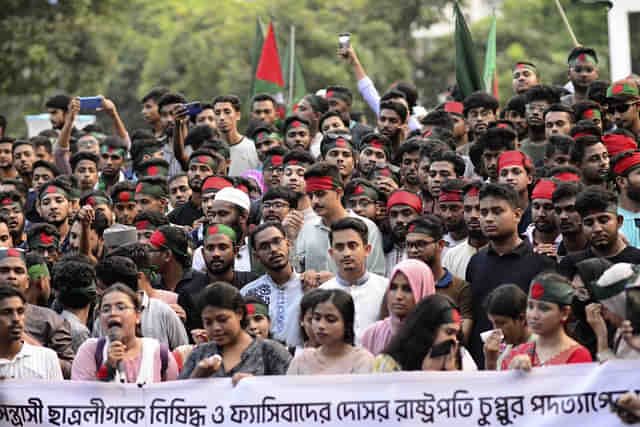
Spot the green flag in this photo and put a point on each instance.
(256, 50)
(490, 75)
(299, 86)
(468, 77)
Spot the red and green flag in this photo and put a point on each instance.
(490, 76)
(255, 54)
(468, 78)
(268, 72)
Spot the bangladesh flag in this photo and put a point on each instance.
(255, 54)
(490, 76)
(269, 73)
(468, 79)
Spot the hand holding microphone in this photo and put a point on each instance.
(116, 351)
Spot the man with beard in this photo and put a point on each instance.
(539, 99)
(622, 101)
(601, 224)
(425, 242)
(150, 110)
(273, 167)
(297, 133)
(590, 155)
(277, 202)
(55, 208)
(311, 108)
(23, 158)
(375, 150)
(507, 259)
(85, 166)
(337, 148)
(58, 108)
(444, 166)
(514, 111)
(568, 220)
(402, 208)
(489, 147)
(113, 151)
(543, 233)
(408, 157)
(123, 195)
(7, 171)
(42, 327)
(44, 240)
(626, 167)
(11, 207)
(265, 139)
(583, 70)
(457, 258)
(92, 224)
(179, 190)
(202, 164)
(340, 100)
(391, 122)
(451, 209)
(480, 109)
(524, 77)
(243, 151)
(280, 287)
(558, 120)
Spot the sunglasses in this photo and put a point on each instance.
(619, 108)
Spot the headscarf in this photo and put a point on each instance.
(377, 336)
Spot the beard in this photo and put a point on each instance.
(476, 234)
(58, 223)
(458, 226)
(545, 227)
(220, 270)
(399, 233)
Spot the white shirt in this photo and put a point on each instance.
(393, 258)
(367, 298)
(451, 242)
(243, 157)
(32, 362)
(284, 305)
(457, 258)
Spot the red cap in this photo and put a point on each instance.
(626, 163)
(402, 197)
(513, 158)
(543, 190)
(617, 144)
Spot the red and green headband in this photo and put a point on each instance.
(94, 201)
(295, 162)
(255, 308)
(155, 170)
(145, 224)
(472, 192)
(210, 161)
(625, 165)
(339, 95)
(450, 196)
(378, 145)
(271, 161)
(364, 191)
(551, 290)
(54, 189)
(150, 189)
(402, 197)
(268, 136)
(125, 196)
(339, 142)
(318, 183)
(215, 183)
(213, 229)
(113, 150)
(43, 240)
(583, 58)
(622, 89)
(592, 113)
(297, 124)
(11, 253)
(524, 66)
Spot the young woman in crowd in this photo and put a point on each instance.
(507, 311)
(429, 340)
(258, 321)
(122, 356)
(231, 351)
(548, 310)
(307, 302)
(411, 281)
(332, 324)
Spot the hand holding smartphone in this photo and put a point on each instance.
(90, 103)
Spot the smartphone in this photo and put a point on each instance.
(633, 308)
(193, 108)
(90, 103)
(344, 42)
(442, 349)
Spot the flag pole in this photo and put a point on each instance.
(566, 22)
(292, 64)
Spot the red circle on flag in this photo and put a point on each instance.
(537, 290)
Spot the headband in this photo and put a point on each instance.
(629, 162)
(73, 294)
(215, 183)
(296, 124)
(213, 229)
(523, 66)
(513, 158)
(255, 308)
(581, 134)
(268, 136)
(155, 170)
(338, 142)
(402, 197)
(150, 149)
(419, 229)
(150, 189)
(543, 190)
(43, 240)
(125, 196)
(366, 191)
(94, 201)
(452, 316)
(567, 177)
(318, 183)
(378, 145)
(592, 113)
(53, 189)
(145, 224)
(339, 94)
(472, 192)
(275, 160)
(205, 159)
(113, 150)
(454, 107)
(159, 240)
(38, 271)
(622, 89)
(551, 290)
(295, 162)
(583, 58)
(11, 252)
(9, 201)
(450, 196)
(617, 144)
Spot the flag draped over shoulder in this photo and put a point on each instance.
(490, 75)
(269, 73)
(468, 77)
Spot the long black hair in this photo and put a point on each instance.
(344, 303)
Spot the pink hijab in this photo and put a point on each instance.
(377, 336)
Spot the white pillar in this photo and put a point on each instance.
(619, 38)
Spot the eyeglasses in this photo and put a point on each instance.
(619, 108)
(536, 107)
(117, 308)
(265, 246)
(420, 244)
(276, 169)
(275, 205)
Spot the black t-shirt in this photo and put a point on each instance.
(567, 266)
(487, 270)
(185, 214)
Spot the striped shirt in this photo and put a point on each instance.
(32, 362)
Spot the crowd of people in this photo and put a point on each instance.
(467, 235)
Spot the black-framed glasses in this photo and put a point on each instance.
(619, 108)
(420, 244)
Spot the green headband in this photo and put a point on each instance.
(622, 89)
(205, 159)
(213, 229)
(583, 58)
(152, 190)
(154, 170)
(73, 294)
(266, 136)
(94, 201)
(43, 240)
(551, 290)
(592, 113)
(38, 271)
(53, 189)
(255, 308)
(112, 150)
(365, 191)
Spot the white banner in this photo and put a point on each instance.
(570, 395)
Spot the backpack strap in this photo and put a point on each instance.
(164, 361)
(102, 341)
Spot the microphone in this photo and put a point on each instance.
(115, 334)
